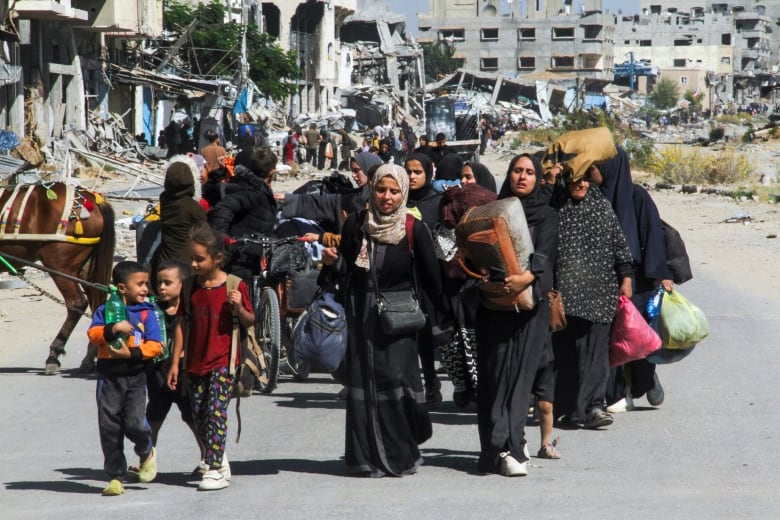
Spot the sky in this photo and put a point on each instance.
(410, 8)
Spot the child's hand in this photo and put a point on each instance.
(311, 237)
(122, 327)
(234, 299)
(173, 376)
(121, 353)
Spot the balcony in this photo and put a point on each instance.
(54, 10)
(117, 18)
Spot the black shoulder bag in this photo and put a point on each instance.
(399, 312)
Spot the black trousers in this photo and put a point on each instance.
(582, 362)
(121, 402)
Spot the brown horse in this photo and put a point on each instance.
(70, 231)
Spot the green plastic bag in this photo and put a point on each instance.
(682, 323)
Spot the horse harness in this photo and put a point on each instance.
(77, 207)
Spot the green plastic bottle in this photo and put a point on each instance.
(166, 353)
(114, 313)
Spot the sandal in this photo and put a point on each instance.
(548, 451)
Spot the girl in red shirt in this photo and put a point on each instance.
(209, 329)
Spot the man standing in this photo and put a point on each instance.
(213, 152)
(312, 137)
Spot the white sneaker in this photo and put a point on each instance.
(213, 480)
(624, 405)
(511, 467)
(225, 469)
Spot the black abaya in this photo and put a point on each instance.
(386, 413)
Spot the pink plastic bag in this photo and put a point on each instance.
(632, 338)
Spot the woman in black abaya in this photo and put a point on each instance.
(511, 343)
(639, 219)
(425, 201)
(386, 414)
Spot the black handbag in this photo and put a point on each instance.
(399, 312)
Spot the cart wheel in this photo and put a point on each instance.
(269, 337)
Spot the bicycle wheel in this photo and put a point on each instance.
(268, 332)
(299, 368)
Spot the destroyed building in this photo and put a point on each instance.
(726, 51)
(524, 39)
(54, 59)
(385, 67)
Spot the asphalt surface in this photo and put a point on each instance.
(710, 451)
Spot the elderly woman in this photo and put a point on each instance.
(386, 414)
(594, 267)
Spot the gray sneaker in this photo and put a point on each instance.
(598, 419)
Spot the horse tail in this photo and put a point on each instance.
(101, 259)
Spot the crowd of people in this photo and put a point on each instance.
(595, 236)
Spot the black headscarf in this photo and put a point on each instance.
(535, 204)
(450, 167)
(618, 189)
(427, 165)
(483, 176)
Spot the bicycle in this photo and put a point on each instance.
(274, 318)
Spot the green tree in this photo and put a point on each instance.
(214, 48)
(665, 93)
(439, 61)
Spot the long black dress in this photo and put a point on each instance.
(511, 345)
(386, 414)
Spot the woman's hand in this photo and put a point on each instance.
(668, 285)
(626, 288)
(330, 255)
(516, 283)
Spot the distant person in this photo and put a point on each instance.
(213, 152)
(312, 137)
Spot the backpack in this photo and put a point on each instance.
(677, 260)
(320, 336)
(252, 364)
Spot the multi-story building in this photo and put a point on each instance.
(534, 39)
(59, 48)
(731, 46)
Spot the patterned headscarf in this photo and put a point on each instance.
(389, 229)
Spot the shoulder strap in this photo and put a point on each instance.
(184, 299)
(410, 232)
(231, 285)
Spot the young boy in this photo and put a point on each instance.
(170, 279)
(121, 384)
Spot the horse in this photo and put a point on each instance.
(71, 231)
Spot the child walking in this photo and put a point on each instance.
(121, 384)
(170, 279)
(205, 336)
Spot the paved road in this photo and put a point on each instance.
(709, 452)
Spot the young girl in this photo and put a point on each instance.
(207, 332)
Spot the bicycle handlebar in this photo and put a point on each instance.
(266, 241)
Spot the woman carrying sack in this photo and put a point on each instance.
(594, 267)
(386, 414)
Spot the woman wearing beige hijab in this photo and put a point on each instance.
(386, 414)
